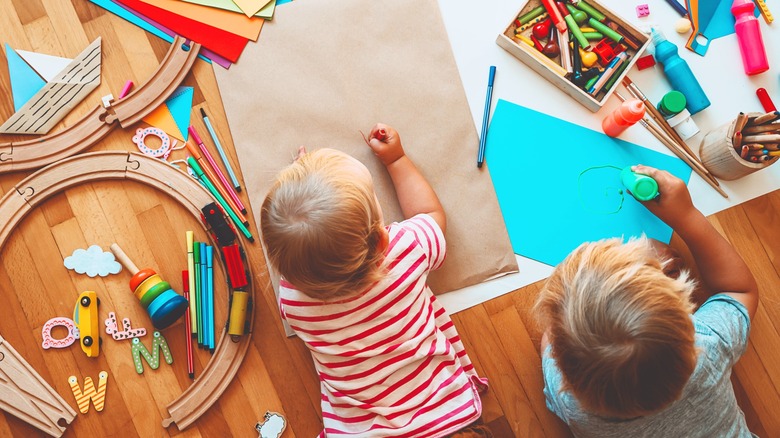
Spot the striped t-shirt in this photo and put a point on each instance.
(390, 361)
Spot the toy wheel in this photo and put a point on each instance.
(98, 302)
(100, 342)
(87, 341)
(85, 301)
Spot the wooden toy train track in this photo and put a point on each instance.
(98, 123)
(84, 168)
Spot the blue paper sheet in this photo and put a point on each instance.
(25, 82)
(549, 205)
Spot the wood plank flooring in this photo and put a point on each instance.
(277, 374)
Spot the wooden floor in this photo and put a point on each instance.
(277, 374)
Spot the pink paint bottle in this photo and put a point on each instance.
(751, 43)
(629, 112)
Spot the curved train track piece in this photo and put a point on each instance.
(96, 166)
(98, 123)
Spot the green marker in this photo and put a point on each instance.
(199, 172)
(593, 35)
(591, 11)
(528, 16)
(643, 187)
(606, 30)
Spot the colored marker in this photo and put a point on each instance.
(217, 170)
(221, 151)
(485, 116)
(196, 155)
(126, 89)
(606, 30)
(533, 13)
(613, 66)
(210, 296)
(198, 292)
(575, 30)
(678, 7)
(765, 100)
(581, 5)
(191, 281)
(204, 298)
(185, 281)
(381, 135)
(555, 14)
(214, 192)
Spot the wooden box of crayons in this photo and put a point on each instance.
(608, 47)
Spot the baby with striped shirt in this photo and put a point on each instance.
(389, 359)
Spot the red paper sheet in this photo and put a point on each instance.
(217, 40)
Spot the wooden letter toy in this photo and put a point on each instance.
(98, 396)
(67, 341)
(162, 303)
(153, 359)
(126, 333)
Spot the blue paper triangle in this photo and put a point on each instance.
(25, 82)
(180, 106)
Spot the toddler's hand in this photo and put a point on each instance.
(385, 143)
(674, 205)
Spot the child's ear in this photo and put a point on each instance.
(384, 241)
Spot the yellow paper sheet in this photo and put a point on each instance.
(377, 62)
(266, 11)
(250, 7)
(247, 27)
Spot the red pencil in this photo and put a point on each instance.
(185, 280)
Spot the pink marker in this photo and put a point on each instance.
(213, 164)
(126, 89)
(751, 43)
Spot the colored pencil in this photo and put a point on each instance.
(220, 151)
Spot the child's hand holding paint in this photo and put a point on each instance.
(674, 205)
(385, 143)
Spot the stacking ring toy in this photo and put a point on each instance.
(162, 303)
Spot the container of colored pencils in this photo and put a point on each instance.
(745, 145)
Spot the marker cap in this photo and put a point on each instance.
(672, 103)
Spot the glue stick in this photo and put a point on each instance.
(629, 112)
(751, 43)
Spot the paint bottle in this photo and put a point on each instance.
(751, 43)
(672, 104)
(679, 73)
(684, 125)
(629, 112)
(642, 187)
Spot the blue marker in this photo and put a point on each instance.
(488, 100)
(611, 68)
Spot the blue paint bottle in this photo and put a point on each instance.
(679, 73)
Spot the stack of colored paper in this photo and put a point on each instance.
(222, 27)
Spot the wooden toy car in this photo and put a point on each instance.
(85, 316)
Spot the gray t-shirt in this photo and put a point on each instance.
(707, 408)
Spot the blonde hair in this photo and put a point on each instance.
(322, 226)
(621, 331)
